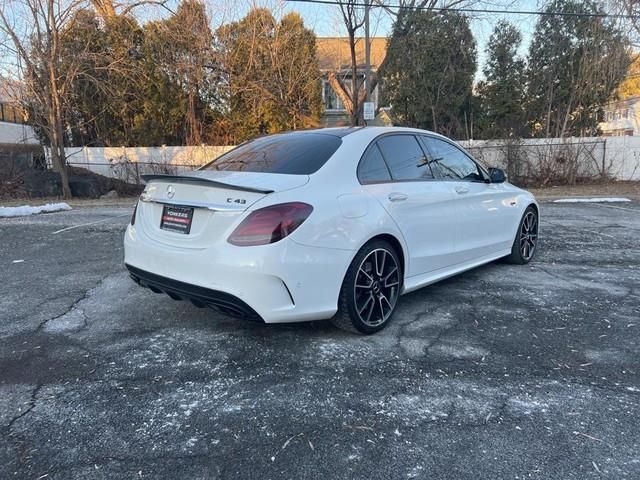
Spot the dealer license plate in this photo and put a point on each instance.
(176, 219)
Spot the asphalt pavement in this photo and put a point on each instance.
(504, 372)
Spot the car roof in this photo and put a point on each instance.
(334, 131)
(363, 133)
(370, 133)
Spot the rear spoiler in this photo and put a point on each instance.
(202, 181)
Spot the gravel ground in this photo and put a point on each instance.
(503, 372)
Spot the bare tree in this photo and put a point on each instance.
(353, 16)
(108, 9)
(403, 6)
(353, 89)
(32, 36)
(33, 28)
(631, 24)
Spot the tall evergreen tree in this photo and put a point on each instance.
(272, 74)
(120, 96)
(502, 92)
(182, 47)
(141, 85)
(428, 72)
(575, 65)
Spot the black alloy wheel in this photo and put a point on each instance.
(370, 289)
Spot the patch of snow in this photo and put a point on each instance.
(592, 200)
(26, 210)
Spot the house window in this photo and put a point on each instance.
(330, 98)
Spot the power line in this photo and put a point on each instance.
(476, 10)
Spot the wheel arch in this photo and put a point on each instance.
(526, 202)
(536, 209)
(396, 244)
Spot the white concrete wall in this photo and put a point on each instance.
(112, 161)
(623, 154)
(12, 133)
(620, 156)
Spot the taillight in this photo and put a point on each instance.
(270, 224)
(133, 216)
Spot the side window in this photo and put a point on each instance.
(405, 157)
(372, 168)
(450, 162)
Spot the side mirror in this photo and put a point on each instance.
(496, 175)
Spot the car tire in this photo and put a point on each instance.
(526, 241)
(370, 289)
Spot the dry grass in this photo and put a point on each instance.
(614, 189)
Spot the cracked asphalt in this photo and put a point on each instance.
(506, 371)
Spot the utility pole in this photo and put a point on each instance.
(367, 51)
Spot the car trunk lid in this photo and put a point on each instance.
(194, 210)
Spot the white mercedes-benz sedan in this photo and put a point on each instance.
(326, 224)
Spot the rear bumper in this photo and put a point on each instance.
(280, 282)
(199, 296)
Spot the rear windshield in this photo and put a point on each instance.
(292, 153)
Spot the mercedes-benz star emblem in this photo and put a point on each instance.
(171, 191)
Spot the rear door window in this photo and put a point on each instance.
(292, 153)
(372, 168)
(405, 157)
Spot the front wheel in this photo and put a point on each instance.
(370, 289)
(526, 241)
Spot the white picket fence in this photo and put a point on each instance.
(617, 157)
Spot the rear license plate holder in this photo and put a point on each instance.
(176, 219)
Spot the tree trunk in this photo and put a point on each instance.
(56, 122)
(194, 136)
(341, 91)
(64, 177)
(104, 8)
(355, 112)
(58, 159)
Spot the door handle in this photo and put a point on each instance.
(462, 190)
(398, 196)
